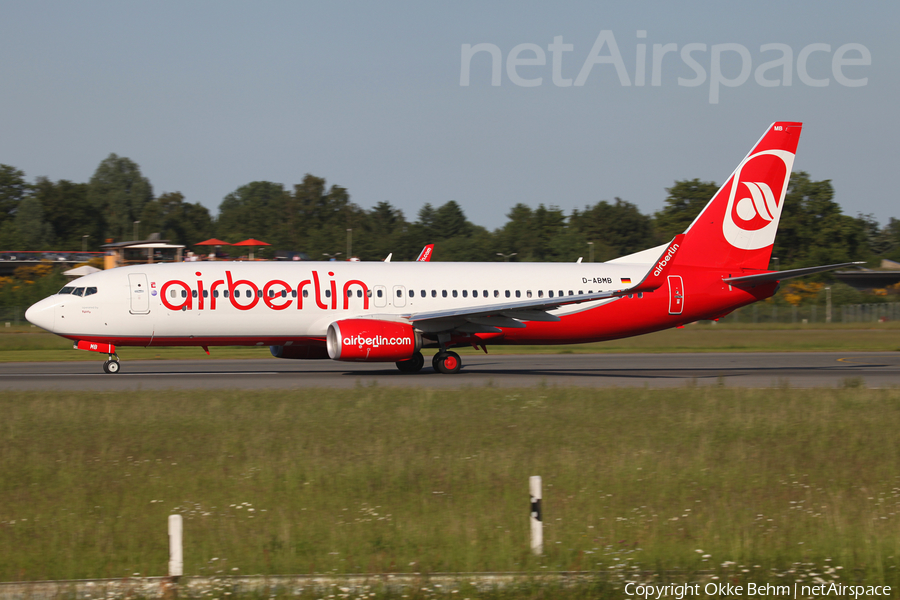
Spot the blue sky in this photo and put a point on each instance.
(209, 96)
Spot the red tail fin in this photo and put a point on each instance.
(737, 228)
(425, 254)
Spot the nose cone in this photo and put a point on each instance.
(42, 313)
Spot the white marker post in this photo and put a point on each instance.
(537, 523)
(176, 554)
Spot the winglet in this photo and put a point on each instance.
(656, 277)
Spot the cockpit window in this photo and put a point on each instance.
(66, 290)
(78, 291)
(89, 291)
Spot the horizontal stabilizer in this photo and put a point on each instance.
(781, 275)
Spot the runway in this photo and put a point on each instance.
(794, 369)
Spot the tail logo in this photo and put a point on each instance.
(756, 199)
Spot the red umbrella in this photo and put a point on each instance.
(212, 242)
(252, 243)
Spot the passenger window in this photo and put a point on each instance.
(284, 293)
(540, 293)
(215, 293)
(412, 293)
(306, 293)
(271, 293)
(349, 293)
(399, 293)
(258, 293)
(184, 293)
(484, 293)
(465, 293)
(571, 293)
(528, 294)
(193, 293)
(580, 292)
(206, 293)
(507, 293)
(444, 293)
(368, 293)
(225, 293)
(379, 293)
(561, 293)
(66, 290)
(78, 291)
(328, 293)
(434, 293)
(640, 294)
(496, 293)
(550, 293)
(293, 293)
(423, 294)
(359, 293)
(90, 291)
(518, 293)
(454, 293)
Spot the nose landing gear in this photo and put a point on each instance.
(111, 365)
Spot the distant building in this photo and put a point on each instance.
(141, 252)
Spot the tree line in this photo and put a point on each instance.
(314, 218)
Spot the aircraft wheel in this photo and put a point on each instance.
(413, 365)
(111, 366)
(447, 362)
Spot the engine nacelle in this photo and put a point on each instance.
(370, 340)
(305, 351)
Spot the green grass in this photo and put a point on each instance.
(24, 344)
(380, 480)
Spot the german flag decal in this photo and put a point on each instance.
(626, 280)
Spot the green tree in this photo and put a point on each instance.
(32, 231)
(118, 192)
(812, 229)
(13, 188)
(616, 229)
(176, 220)
(257, 210)
(66, 209)
(685, 201)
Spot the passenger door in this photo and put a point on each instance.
(140, 293)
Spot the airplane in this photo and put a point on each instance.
(389, 312)
(425, 254)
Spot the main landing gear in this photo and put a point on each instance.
(112, 364)
(445, 361)
(413, 365)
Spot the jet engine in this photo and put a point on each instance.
(371, 340)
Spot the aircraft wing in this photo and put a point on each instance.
(512, 314)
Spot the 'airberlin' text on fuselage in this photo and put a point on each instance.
(275, 294)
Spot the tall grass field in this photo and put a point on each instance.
(770, 484)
